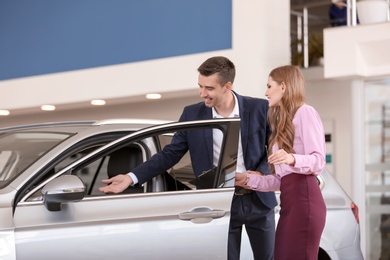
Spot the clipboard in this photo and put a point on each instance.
(205, 180)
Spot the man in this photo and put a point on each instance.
(252, 209)
(338, 13)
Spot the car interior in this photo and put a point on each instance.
(125, 160)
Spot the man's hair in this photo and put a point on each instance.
(221, 65)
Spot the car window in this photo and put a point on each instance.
(179, 177)
(21, 149)
(182, 171)
(125, 159)
(67, 157)
(96, 162)
(120, 161)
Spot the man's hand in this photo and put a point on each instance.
(117, 184)
(240, 179)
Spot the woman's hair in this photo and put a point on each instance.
(280, 117)
(221, 65)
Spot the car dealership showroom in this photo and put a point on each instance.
(92, 89)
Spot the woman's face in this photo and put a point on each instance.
(274, 92)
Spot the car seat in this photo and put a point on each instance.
(123, 161)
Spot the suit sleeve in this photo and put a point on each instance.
(164, 159)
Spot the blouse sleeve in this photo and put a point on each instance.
(264, 182)
(309, 143)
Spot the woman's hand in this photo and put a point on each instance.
(281, 157)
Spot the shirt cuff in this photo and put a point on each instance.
(133, 177)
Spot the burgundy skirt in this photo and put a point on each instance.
(302, 218)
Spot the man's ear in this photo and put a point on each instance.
(228, 85)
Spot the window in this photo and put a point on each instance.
(19, 150)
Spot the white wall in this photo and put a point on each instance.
(363, 48)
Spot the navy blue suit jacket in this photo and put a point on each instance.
(254, 136)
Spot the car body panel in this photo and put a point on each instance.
(148, 223)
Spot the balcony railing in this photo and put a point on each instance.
(307, 40)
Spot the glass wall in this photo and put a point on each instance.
(377, 168)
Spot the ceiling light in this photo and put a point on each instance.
(153, 96)
(98, 102)
(48, 107)
(4, 112)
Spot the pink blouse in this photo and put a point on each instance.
(309, 147)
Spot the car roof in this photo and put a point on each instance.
(77, 125)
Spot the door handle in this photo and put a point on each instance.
(202, 215)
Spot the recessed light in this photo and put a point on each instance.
(4, 112)
(153, 96)
(98, 102)
(48, 107)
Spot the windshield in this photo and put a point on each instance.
(19, 150)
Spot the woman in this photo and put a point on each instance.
(297, 148)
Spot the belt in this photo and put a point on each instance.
(241, 191)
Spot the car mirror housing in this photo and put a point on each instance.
(66, 188)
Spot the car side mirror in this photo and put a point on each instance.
(66, 188)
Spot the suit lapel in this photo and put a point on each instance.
(244, 127)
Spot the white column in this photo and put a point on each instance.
(358, 156)
(305, 38)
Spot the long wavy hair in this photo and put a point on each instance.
(280, 117)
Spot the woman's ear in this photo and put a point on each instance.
(283, 87)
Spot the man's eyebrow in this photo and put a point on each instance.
(205, 86)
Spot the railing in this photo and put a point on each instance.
(302, 48)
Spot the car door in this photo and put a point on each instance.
(167, 218)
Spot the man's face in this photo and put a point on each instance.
(211, 90)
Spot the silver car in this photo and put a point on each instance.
(51, 208)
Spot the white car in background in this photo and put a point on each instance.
(51, 208)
